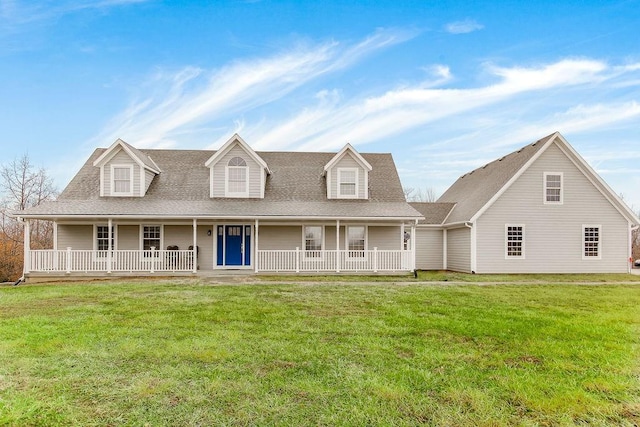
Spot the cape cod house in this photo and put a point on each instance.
(540, 209)
(131, 211)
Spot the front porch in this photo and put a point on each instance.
(152, 261)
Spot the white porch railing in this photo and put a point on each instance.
(87, 261)
(298, 260)
(152, 261)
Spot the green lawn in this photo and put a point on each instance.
(189, 353)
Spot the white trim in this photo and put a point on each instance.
(55, 235)
(95, 235)
(227, 146)
(141, 233)
(544, 188)
(236, 194)
(506, 242)
(599, 227)
(339, 194)
(113, 192)
(110, 152)
(357, 157)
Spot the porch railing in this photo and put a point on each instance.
(298, 260)
(88, 261)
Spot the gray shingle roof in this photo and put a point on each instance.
(474, 189)
(433, 212)
(296, 187)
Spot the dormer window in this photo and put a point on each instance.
(347, 183)
(122, 180)
(237, 178)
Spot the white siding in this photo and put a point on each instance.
(459, 249)
(205, 246)
(255, 173)
(347, 161)
(280, 237)
(178, 235)
(553, 232)
(77, 237)
(148, 178)
(429, 249)
(128, 237)
(385, 238)
(121, 158)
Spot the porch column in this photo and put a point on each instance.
(256, 257)
(110, 233)
(413, 246)
(27, 245)
(195, 246)
(402, 240)
(55, 235)
(337, 246)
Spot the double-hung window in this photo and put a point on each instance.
(514, 241)
(237, 178)
(356, 241)
(313, 241)
(102, 240)
(150, 238)
(122, 180)
(348, 183)
(553, 188)
(591, 239)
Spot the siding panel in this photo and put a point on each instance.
(347, 161)
(459, 249)
(384, 238)
(255, 173)
(77, 237)
(553, 233)
(429, 249)
(121, 158)
(280, 237)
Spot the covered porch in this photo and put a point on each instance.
(121, 247)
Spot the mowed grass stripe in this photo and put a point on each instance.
(186, 353)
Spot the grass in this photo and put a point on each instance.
(188, 353)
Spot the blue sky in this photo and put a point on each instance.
(444, 86)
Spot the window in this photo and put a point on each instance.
(313, 241)
(151, 237)
(102, 240)
(348, 182)
(356, 244)
(553, 188)
(122, 180)
(514, 241)
(237, 183)
(591, 241)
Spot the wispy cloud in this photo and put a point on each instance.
(463, 27)
(192, 96)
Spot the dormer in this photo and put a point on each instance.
(347, 175)
(125, 171)
(236, 171)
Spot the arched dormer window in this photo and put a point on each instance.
(237, 182)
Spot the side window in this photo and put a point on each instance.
(591, 235)
(514, 241)
(102, 239)
(237, 184)
(553, 188)
(151, 237)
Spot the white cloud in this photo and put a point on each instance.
(463, 27)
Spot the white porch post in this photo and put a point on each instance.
(195, 246)
(444, 249)
(256, 257)
(55, 235)
(402, 241)
(337, 246)
(413, 246)
(27, 246)
(110, 244)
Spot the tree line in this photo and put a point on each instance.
(22, 186)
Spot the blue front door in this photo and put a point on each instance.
(234, 245)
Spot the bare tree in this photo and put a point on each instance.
(428, 194)
(22, 186)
